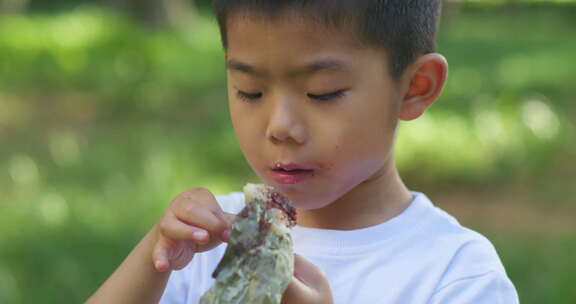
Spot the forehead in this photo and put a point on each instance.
(292, 43)
(290, 21)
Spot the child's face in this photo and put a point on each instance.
(346, 140)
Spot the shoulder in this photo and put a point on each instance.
(467, 247)
(472, 265)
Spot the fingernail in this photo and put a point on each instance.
(226, 235)
(199, 234)
(159, 266)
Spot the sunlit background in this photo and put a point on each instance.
(108, 109)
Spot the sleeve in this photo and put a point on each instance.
(187, 285)
(475, 276)
(489, 288)
(176, 291)
(232, 202)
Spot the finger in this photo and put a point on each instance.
(161, 256)
(230, 217)
(202, 218)
(309, 284)
(298, 292)
(198, 196)
(172, 228)
(182, 255)
(308, 273)
(200, 208)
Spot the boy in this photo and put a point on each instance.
(316, 90)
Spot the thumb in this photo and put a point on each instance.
(308, 286)
(308, 273)
(229, 218)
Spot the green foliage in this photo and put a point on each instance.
(103, 122)
(90, 50)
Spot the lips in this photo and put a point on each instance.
(291, 173)
(291, 167)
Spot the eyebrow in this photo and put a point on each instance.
(312, 67)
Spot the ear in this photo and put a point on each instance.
(425, 78)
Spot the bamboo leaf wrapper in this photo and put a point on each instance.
(258, 263)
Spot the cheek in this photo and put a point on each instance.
(357, 153)
(241, 128)
(249, 139)
(366, 139)
(245, 138)
(356, 161)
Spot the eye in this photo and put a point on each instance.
(329, 96)
(247, 96)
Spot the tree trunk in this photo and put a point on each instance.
(158, 13)
(13, 6)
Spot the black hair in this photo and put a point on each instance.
(404, 28)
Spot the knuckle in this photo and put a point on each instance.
(195, 195)
(224, 226)
(203, 196)
(220, 222)
(189, 195)
(164, 227)
(188, 209)
(197, 191)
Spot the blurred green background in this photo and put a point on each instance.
(109, 109)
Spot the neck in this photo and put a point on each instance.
(374, 201)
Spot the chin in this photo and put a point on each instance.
(303, 202)
(304, 196)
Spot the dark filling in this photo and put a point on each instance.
(282, 203)
(276, 201)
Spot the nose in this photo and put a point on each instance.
(286, 124)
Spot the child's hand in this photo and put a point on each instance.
(308, 286)
(193, 222)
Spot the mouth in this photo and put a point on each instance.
(291, 173)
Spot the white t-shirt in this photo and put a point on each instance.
(422, 256)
